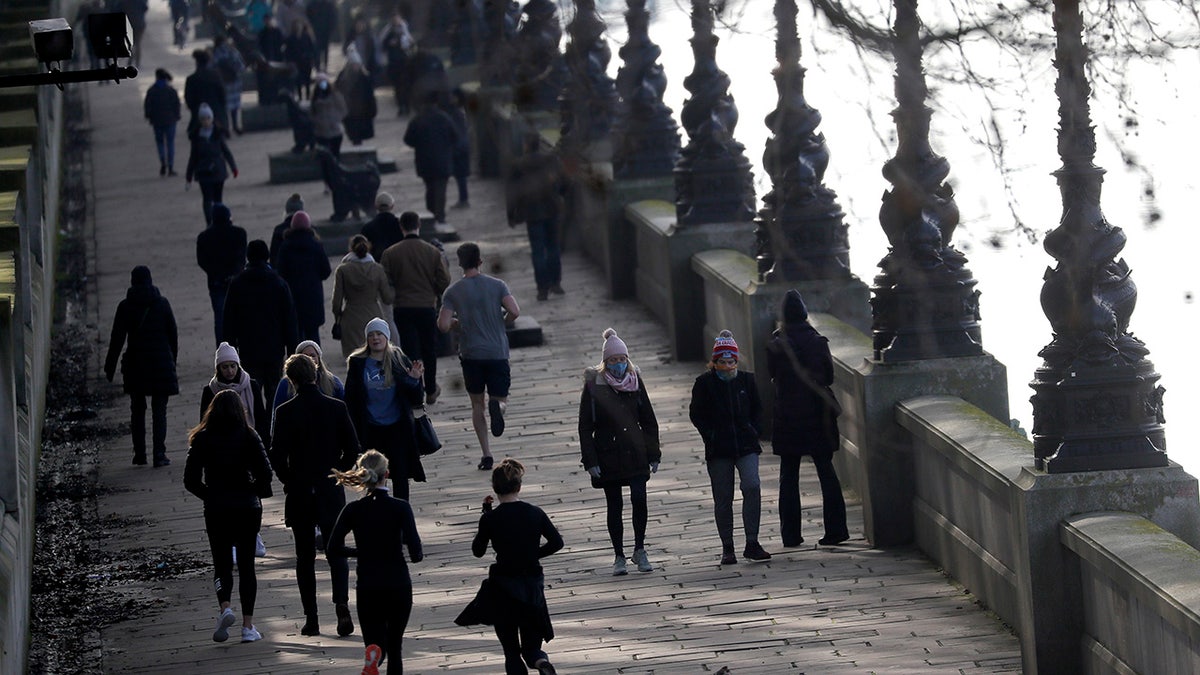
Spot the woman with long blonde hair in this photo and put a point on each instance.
(382, 526)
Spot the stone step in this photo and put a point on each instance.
(17, 98)
(289, 167)
(18, 127)
(525, 332)
(13, 161)
(265, 117)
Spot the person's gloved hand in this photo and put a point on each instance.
(235, 172)
(595, 471)
(653, 467)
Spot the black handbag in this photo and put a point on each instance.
(427, 439)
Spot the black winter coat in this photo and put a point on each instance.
(618, 431)
(277, 239)
(145, 318)
(304, 265)
(803, 423)
(727, 414)
(312, 436)
(260, 319)
(161, 104)
(432, 136)
(204, 86)
(228, 470)
(209, 156)
(221, 253)
(535, 188)
(382, 231)
(262, 416)
(409, 394)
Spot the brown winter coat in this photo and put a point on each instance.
(360, 293)
(416, 271)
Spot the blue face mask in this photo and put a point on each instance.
(617, 369)
(727, 375)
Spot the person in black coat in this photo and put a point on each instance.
(323, 15)
(208, 159)
(204, 86)
(271, 40)
(291, 206)
(304, 265)
(227, 468)
(313, 436)
(535, 190)
(161, 107)
(145, 319)
(382, 387)
(384, 229)
(456, 108)
(221, 253)
(619, 444)
(433, 137)
(260, 318)
(805, 420)
(382, 526)
(726, 410)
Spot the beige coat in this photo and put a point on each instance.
(361, 292)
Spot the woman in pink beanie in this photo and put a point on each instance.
(618, 438)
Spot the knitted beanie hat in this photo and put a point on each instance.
(613, 345)
(378, 324)
(384, 201)
(226, 353)
(725, 347)
(205, 112)
(294, 204)
(301, 221)
(306, 344)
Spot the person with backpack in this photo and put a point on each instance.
(618, 440)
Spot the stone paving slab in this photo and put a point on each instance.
(851, 609)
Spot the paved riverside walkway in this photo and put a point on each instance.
(852, 609)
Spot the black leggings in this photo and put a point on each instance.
(616, 525)
(306, 570)
(522, 643)
(227, 530)
(382, 617)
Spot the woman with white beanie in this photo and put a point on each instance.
(618, 438)
(382, 387)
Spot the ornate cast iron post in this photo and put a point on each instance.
(801, 235)
(538, 73)
(1095, 403)
(589, 97)
(925, 304)
(645, 133)
(713, 182)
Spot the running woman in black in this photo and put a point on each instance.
(515, 530)
(382, 527)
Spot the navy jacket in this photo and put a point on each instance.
(304, 265)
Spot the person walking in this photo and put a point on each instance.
(231, 67)
(300, 50)
(180, 11)
(227, 468)
(618, 440)
(726, 410)
(260, 319)
(204, 86)
(536, 188)
(323, 17)
(208, 159)
(456, 108)
(521, 534)
(328, 111)
(304, 266)
(417, 272)
(354, 83)
(313, 436)
(805, 421)
(272, 39)
(360, 292)
(290, 207)
(257, 12)
(327, 382)
(382, 387)
(383, 229)
(432, 136)
(221, 253)
(145, 319)
(382, 526)
(229, 375)
(361, 39)
(161, 107)
(472, 306)
(397, 43)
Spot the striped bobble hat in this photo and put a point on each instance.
(725, 347)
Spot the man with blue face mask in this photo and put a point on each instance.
(725, 409)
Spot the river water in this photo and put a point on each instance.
(1148, 192)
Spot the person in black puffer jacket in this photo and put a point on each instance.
(221, 253)
(260, 319)
(304, 266)
(227, 467)
(145, 318)
(618, 439)
(805, 420)
(725, 409)
(207, 162)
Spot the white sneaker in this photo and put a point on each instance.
(250, 634)
(260, 549)
(224, 620)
